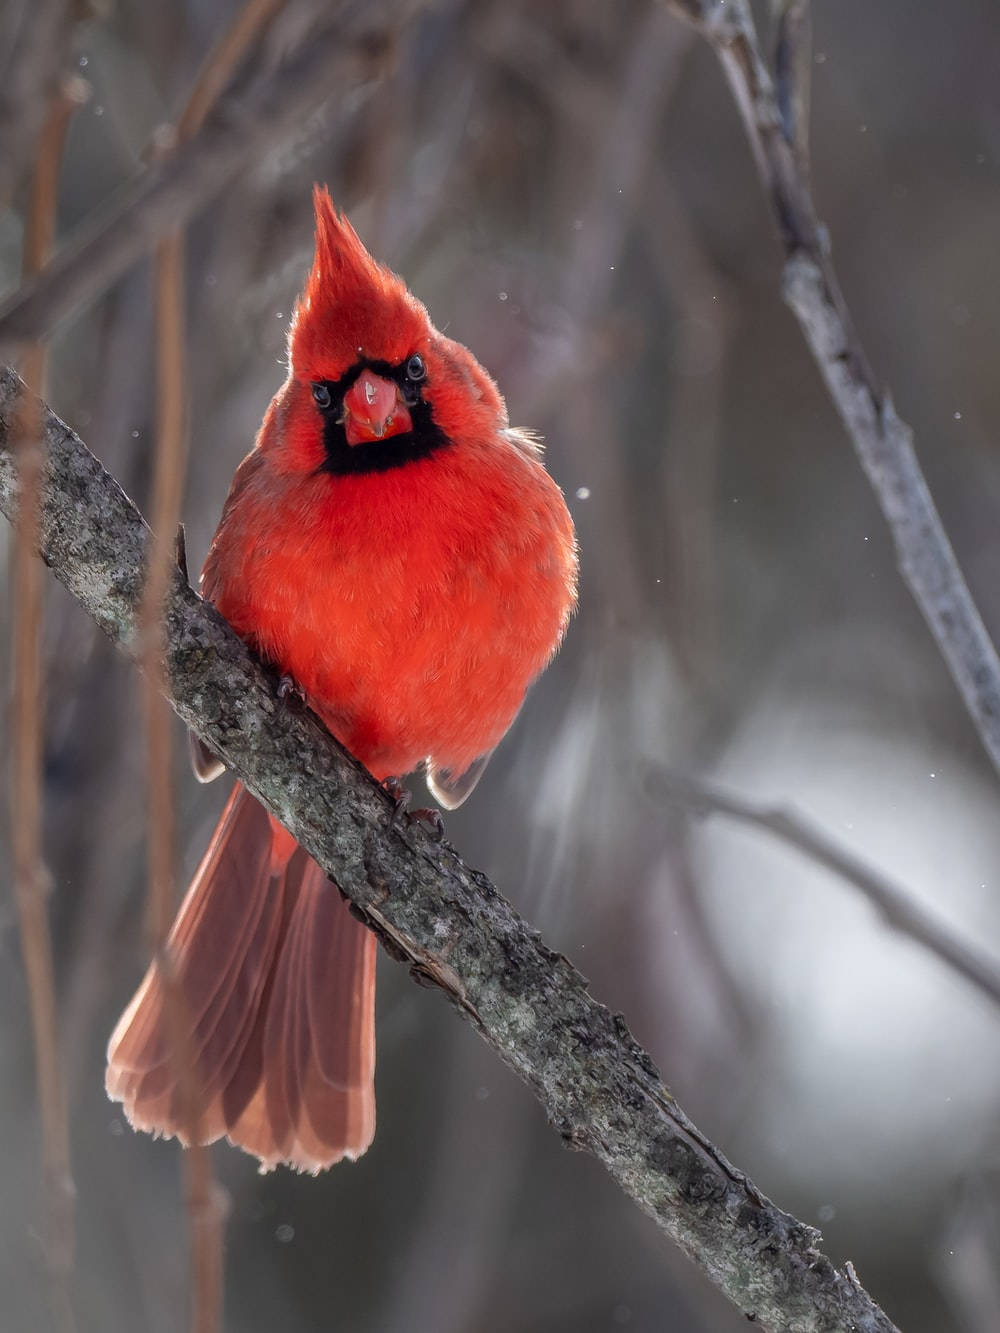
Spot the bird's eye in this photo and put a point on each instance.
(321, 395)
(415, 368)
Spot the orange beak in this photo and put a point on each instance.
(373, 409)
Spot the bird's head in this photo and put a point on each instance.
(373, 384)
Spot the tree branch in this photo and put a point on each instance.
(899, 909)
(600, 1090)
(31, 878)
(883, 443)
(234, 138)
(792, 72)
(207, 1203)
(34, 39)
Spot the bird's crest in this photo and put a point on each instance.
(352, 308)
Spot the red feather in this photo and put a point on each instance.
(256, 912)
(413, 575)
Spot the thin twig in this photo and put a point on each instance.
(600, 1089)
(168, 480)
(205, 1201)
(793, 74)
(30, 875)
(620, 120)
(34, 41)
(897, 907)
(348, 48)
(883, 443)
(223, 60)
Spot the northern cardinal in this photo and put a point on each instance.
(393, 547)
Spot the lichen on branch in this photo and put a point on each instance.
(600, 1089)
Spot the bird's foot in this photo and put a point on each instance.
(432, 818)
(401, 799)
(289, 688)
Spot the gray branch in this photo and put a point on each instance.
(353, 44)
(883, 443)
(34, 39)
(899, 909)
(599, 1088)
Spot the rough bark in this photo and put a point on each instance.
(600, 1089)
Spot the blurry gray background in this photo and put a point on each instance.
(568, 189)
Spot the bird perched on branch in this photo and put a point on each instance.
(400, 553)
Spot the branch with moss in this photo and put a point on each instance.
(600, 1089)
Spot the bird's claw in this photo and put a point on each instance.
(432, 818)
(401, 802)
(288, 687)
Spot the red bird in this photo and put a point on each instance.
(394, 547)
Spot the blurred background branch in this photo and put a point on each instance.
(35, 38)
(899, 909)
(793, 74)
(31, 877)
(347, 47)
(206, 1202)
(884, 443)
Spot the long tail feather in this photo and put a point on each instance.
(276, 985)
